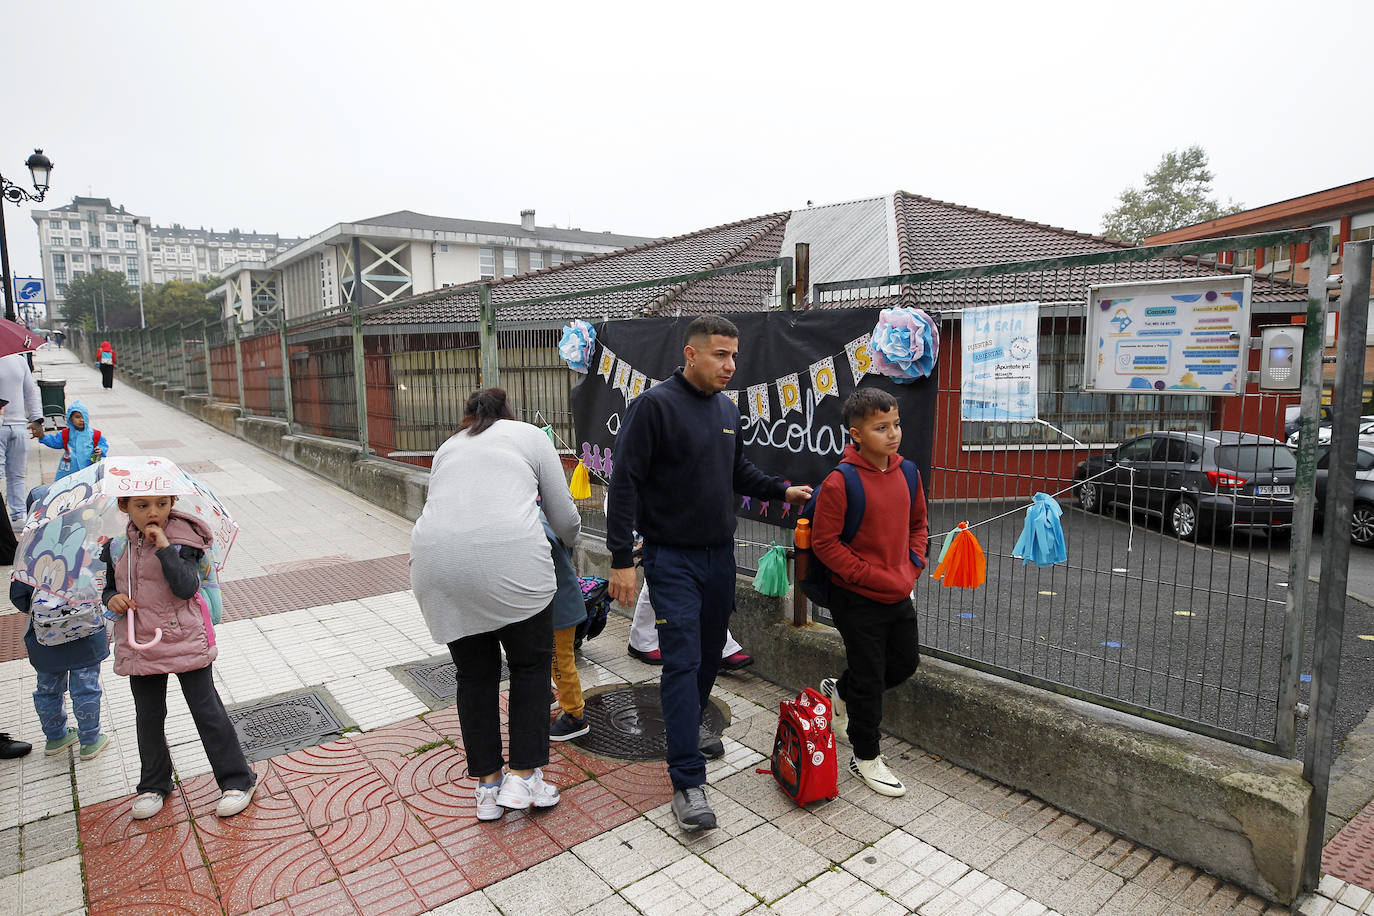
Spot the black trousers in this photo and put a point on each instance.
(880, 647)
(529, 654)
(217, 733)
(107, 375)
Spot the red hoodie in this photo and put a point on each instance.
(878, 562)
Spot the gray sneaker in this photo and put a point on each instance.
(710, 745)
(691, 809)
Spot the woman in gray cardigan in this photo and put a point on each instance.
(484, 579)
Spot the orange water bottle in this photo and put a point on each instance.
(801, 537)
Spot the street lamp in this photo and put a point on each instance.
(40, 168)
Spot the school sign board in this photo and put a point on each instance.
(793, 373)
(1186, 336)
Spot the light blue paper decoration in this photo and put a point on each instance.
(1042, 539)
(576, 345)
(905, 344)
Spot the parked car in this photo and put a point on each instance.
(1362, 511)
(1195, 482)
(1324, 431)
(1290, 419)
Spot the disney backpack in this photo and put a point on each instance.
(596, 595)
(805, 764)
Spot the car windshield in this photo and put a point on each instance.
(1255, 458)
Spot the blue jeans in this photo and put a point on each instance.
(84, 684)
(693, 593)
(14, 455)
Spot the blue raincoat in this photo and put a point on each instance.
(79, 444)
(1042, 539)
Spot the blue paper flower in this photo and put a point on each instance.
(1042, 539)
(905, 344)
(576, 345)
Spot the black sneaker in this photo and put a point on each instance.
(710, 745)
(566, 726)
(10, 749)
(692, 810)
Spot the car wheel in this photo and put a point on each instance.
(1362, 524)
(1182, 519)
(1090, 496)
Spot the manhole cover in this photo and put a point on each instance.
(281, 726)
(440, 678)
(627, 723)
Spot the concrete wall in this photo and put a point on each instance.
(1238, 814)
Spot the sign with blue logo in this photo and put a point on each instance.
(29, 291)
(1186, 336)
(999, 373)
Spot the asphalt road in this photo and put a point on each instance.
(1193, 630)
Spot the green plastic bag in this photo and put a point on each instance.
(771, 579)
(944, 549)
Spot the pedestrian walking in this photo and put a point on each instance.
(644, 639)
(105, 358)
(679, 461)
(81, 443)
(22, 407)
(483, 575)
(569, 611)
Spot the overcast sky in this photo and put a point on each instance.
(291, 116)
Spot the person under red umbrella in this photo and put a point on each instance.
(105, 357)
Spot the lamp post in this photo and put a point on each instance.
(40, 167)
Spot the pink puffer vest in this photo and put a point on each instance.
(188, 641)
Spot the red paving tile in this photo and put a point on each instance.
(432, 875)
(391, 749)
(337, 759)
(597, 766)
(301, 588)
(382, 890)
(273, 872)
(584, 812)
(642, 786)
(326, 900)
(373, 835)
(486, 852)
(190, 894)
(262, 827)
(146, 861)
(333, 798)
(1350, 854)
(112, 821)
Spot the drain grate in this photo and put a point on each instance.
(439, 678)
(284, 725)
(627, 723)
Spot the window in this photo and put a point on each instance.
(130, 243)
(78, 258)
(486, 263)
(112, 243)
(95, 262)
(74, 224)
(114, 260)
(510, 264)
(536, 260)
(60, 286)
(1275, 253)
(443, 248)
(59, 266)
(1245, 258)
(74, 241)
(555, 258)
(1362, 234)
(54, 224)
(95, 241)
(133, 276)
(57, 240)
(1139, 450)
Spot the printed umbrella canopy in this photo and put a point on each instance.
(59, 549)
(15, 338)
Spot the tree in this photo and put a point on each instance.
(101, 299)
(178, 302)
(1177, 193)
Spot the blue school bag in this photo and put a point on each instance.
(816, 583)
(209, 576)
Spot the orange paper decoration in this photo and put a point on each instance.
(964, 565)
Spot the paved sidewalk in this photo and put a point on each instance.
(381, 820)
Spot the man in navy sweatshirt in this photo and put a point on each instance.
(679, 461)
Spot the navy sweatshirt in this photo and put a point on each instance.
(679, 461)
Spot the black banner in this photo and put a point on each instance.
(801, 445)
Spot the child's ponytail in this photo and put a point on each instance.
(483, 408)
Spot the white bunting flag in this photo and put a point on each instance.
(789, 394)
(637, 380)
(623, 371)
(607, 363)
(823, 380)
(758, 403)
(733, 396)
(860, 361)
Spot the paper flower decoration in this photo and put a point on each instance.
(580, 486)
(963, 564)
(905, 344)
(1042, 539)
(771, 579)
(575, 346)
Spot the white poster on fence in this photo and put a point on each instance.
(999, 364)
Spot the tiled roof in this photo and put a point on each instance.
(409, 219)
(740, 242)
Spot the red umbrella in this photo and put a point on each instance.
(15, 338)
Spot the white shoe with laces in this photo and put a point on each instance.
(839, 713)
(487, 807)
(878, 777)
(147, 805)
(520, 792)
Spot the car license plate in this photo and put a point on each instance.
(1278, 490)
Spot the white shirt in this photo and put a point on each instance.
(19, 388)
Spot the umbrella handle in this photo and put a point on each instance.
(157, 633)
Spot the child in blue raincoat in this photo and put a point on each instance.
(81, 443)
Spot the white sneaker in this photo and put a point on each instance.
(235, 800)
(878, 776)
(146, 805)
(520, 792)
(839, 714)
(488, 809)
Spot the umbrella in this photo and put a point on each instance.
(69, 525)
(15, 338)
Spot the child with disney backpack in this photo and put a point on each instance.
(154, 571)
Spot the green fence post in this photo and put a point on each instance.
(286, 374)
(205, 347)
(359, 374)
(238, 364)
(486, 336)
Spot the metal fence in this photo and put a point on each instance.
(1203, 634)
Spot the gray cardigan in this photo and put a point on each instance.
(479, 559)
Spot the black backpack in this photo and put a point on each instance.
(816, 584)
(596, 596)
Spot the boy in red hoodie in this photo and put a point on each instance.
(871, 579)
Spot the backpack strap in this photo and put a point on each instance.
(64, 437)
(855, 501)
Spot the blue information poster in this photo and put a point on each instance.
(999, 374)
(1184, 336)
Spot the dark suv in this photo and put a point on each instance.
(1195, 482)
